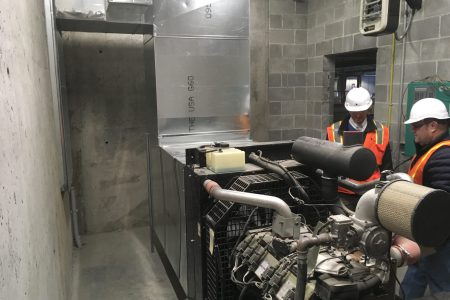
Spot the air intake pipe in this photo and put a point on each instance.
(354, 162)
(214, 189)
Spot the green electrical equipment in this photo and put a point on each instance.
(418, 90)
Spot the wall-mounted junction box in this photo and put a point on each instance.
(378, 17)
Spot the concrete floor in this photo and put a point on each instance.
(118, 265)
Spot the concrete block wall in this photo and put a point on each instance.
(303, 35)
(287, 69)
(109, 118)
(332, 29)
(427, 54)
(35, 233)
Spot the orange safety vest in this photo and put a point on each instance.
(376, 141)
(416, 171)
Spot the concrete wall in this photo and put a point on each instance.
(109, 118)
(36, 244)
(303, 35)
(259, 61)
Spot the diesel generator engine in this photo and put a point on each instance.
(345, 261)
(347, 257)
(342, 254)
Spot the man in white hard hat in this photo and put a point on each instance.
(374, 135)
(430, 167)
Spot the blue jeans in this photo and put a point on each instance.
(432, 271)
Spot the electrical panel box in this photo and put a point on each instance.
(378, 17)
(419, 90)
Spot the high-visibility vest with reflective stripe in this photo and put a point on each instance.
(416, 171)
(376, 141)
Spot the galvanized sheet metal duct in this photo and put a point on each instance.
(202, 18)
(129, 11)
(126, 11)
(202, 66)
(92, 9)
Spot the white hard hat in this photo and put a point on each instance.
(358, 99)
(428, 108)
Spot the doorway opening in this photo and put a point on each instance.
(352, 69)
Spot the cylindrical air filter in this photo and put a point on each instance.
(416, 212)
(354, 162)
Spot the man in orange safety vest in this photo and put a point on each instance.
(375, 136)
(430, 167)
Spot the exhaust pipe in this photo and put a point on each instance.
(275, 203)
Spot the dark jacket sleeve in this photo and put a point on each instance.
(386, 163)
(436, 173)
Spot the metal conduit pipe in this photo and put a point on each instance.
(302, 273)
(74, 213)
(302, 247)
(400, 90)
(275, 203)
(307, 242)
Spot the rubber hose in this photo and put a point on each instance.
(280, 170)
(369, 283)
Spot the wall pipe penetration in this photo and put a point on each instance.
(275, 203)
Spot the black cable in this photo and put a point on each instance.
(325, 204)
(402, 296)
(243, 291)
(317, 213)
(401, 103)
(323, 226)
(408, 25)
(320, 204)
(415, 4)
(401, 163)
(242, 234)
(300, 202)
